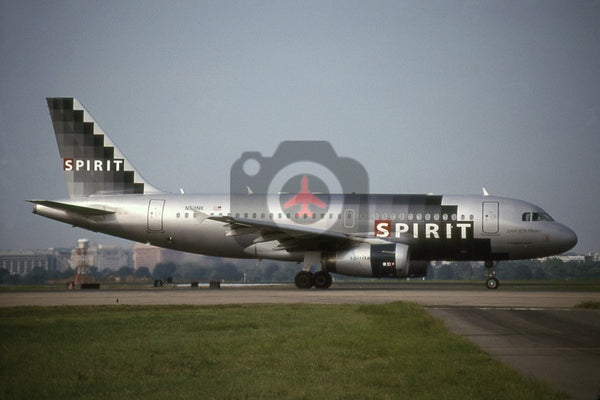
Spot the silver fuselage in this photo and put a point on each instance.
(448, 227)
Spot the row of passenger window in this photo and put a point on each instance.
(264, 216)
(376, 216)
(421, 217)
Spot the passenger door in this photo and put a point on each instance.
(155, 215)
(490, 217)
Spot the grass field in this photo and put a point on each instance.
(393, 351)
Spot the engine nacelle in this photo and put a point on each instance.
(378, 260)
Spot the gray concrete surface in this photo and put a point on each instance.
(559, 346)
(425, 297)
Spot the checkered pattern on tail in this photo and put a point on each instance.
(91, 162)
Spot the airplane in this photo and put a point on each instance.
(368, 235)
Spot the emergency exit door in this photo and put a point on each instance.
(349, 218)
(490, 217)
(155, 215)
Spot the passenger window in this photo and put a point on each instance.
(178, 215)
(427, 217)
(401, 217)
(436, 217)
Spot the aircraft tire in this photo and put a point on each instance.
(323, 280)
(492, 283)
(304, 280)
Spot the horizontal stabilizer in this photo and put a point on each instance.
(81, 210)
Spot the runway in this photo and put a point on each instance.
(288, 295)
(535, 332)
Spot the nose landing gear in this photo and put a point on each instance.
(491, 281)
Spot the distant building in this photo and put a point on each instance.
(113, 257)
(83, 255)
(566, 258)
(100, 256)
(145, 255)
(62, 258)
(22, 262)
(592, 257)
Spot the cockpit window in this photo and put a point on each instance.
(536, 216)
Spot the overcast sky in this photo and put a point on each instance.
(430, 96)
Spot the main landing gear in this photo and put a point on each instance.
(306, 280)
(491, 282)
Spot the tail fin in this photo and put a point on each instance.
(92, 163)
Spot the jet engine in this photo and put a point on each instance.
(378, 260)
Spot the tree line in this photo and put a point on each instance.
(549, 269)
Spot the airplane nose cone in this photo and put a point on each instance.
(567, 238)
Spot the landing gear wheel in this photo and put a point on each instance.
(323, 280)
(304, 280)
(492, 283)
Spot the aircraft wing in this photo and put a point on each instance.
(290, 237)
